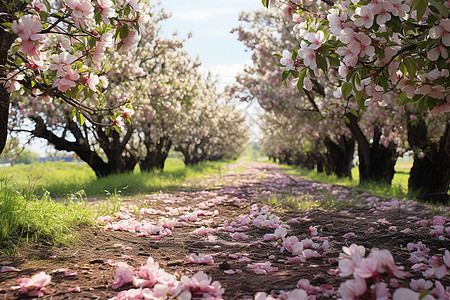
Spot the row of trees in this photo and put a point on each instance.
(308, 128)
(152, 99)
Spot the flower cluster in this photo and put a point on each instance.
(378, 47)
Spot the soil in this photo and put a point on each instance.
(240, 187)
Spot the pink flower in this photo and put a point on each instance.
(404, 293)
(82, 10)
(107, 10)
(287, 61)
(199, 259)
(352, 288)
(316, 39)
(239, 236)
(441, 108)
(434, 91)
(28, 29)
(365, 17)
(420, 284)
(262, 268)
(9, 269)
(441, 31)
(124, 275)
(349, 235)
(200, 284)
(34, 286)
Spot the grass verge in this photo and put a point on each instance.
(27, 218)
(61, 178)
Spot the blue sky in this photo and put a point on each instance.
(210, 21)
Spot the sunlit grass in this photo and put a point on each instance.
(398, 189)
(62, 178)
(27, 218)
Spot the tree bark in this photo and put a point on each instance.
(117, 162)
(340, 156)
(376, 162)
(156, 155)
(6, 40)
(430, 173)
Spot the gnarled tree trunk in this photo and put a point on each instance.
(430, 173)
(117, 161)
(6, 40)
(376, 162)
(340, 156)
(156, 155)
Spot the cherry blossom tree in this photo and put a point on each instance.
(210, 130)
(377, 47)
(56, 50)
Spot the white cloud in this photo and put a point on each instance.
(204, 14)
(226, 73)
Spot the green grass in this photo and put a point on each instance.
(398, 189)
(27, 218)
(61, 178)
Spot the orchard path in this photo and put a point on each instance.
(233, 203)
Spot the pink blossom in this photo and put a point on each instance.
(82, 10)
(441, 31)
(239, 236)
(262, 268)
(107, 10)
(365, 17)
(199, 259)
(441, 108)
(124, 275)
(287, 61)
(200, 284)
(9, 269)
(34, 286)
(352, 288)
(349, 235)
(74, 289)
(420, 284)
(404, 293)
(316, 39)
(309, 57)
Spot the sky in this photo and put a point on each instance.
(210, 22)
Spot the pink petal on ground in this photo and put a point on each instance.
(74, 289)
(348, 235)
(9, 269)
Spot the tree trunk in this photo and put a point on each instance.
(6, 40)
(116, 163)
(340, 156)
(156, 158)
(430, 173)
(376, 162)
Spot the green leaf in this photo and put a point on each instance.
(440, 7)
(411, 66)
(73, 113)
(285, 75)
(353, 112)
(265, 3)
(350, 74)
(421, 6)
(277, 55)
(6, 24)
(382, 81)
(80, 118)
(301, 78)
(360, 100)
(396, 23)
(334, 61)
(322, 63)
(346, 89)
(117, 128)
(346, 120)
(124, 31)
(107, 130)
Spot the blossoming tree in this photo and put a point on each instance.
(70, 67)
(381, 50)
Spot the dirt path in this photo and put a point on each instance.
(230, 222)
